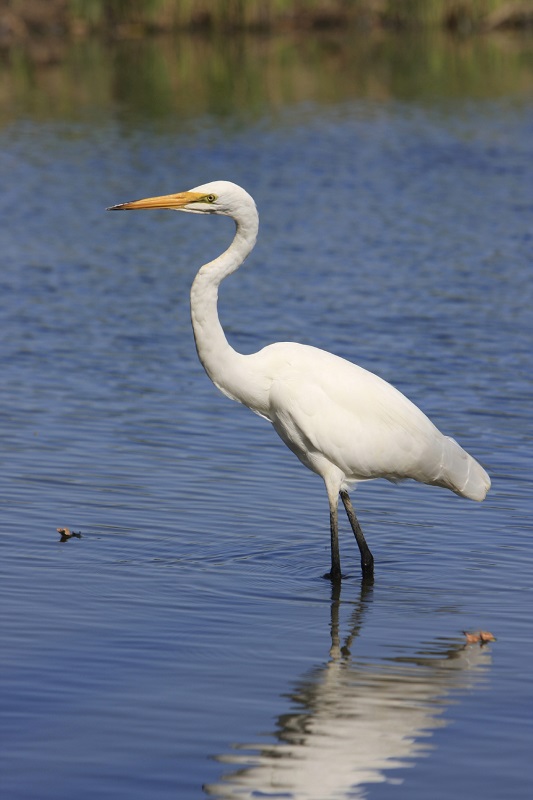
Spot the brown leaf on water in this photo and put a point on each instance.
(479, 637)
(67, 534)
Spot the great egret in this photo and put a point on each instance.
(343, 422)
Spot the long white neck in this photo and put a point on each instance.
(224, 365)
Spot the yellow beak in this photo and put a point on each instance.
(164, 201)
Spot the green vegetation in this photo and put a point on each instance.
(76, 58)
(171, 79)
(127, 18)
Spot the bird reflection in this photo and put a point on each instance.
(353, 721)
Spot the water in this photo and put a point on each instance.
(186, 645)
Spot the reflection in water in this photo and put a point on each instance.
(353, 720)
(174, 79)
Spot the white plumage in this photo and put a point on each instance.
(343, 422)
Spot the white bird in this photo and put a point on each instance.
(344, 423)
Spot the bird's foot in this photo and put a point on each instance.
(335, 576)
(367, 564)
(368, 577)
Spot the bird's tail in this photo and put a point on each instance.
(461, 473)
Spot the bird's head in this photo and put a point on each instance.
(218, 197)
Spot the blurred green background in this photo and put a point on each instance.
(160, 58)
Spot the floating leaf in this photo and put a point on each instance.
(479, 637)
(67, 534)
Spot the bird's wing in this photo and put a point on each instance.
(322, 404)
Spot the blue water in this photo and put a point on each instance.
(186, 645)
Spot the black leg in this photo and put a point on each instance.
(367, 559)
(335, 574)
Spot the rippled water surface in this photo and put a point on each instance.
(186, 644)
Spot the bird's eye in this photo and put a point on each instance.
(210, 198)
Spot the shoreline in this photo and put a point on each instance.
(30, 19)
